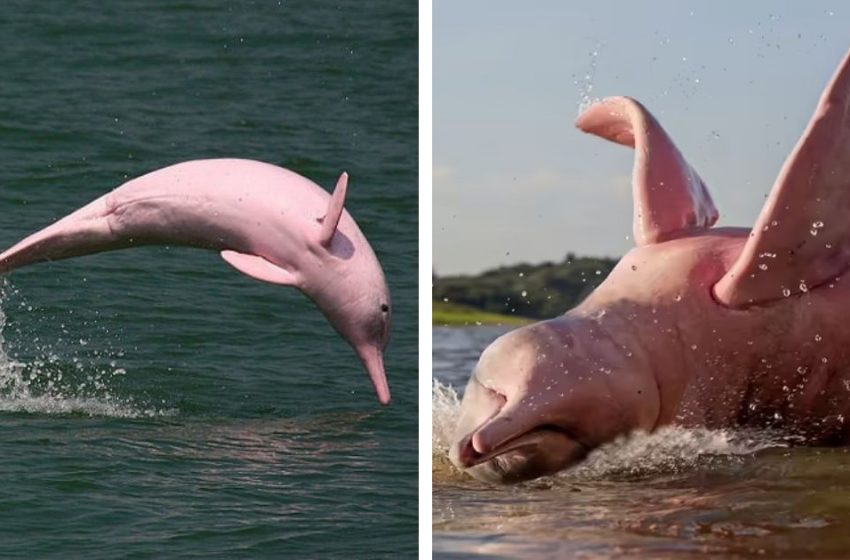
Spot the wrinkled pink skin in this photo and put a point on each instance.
(719, 328)
(652, 347)
(247, 207)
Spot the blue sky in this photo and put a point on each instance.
(733, 83)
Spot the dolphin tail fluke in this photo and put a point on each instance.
(80, 233)
(670, 198)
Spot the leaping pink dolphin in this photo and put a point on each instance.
(695, 326)
(268, 223)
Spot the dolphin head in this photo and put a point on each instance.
(356, 302)
(353, 294)
(543, 396)
(367, 329)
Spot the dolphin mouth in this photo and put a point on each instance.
(467, 456)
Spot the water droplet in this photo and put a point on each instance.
(762, 266)
(818, 338)
(786, 292)
(803, 287)
(524, 293)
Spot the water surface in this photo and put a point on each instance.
(155, 403)
(673, 494)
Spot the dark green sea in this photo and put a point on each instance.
(155, 403)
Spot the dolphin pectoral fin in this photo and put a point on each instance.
(334, 212)
(259, 268)
(670, 199)
(802, 237)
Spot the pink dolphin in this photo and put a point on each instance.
(695, 326)
(268, 223)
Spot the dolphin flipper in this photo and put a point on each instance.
(259, 268)
(670, 199)
(802, 237)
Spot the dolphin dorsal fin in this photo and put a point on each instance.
(670, 199)
(802, 236)
(334, 212)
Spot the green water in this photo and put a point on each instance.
(154, 402)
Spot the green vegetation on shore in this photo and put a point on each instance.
(517, 294)
(453, 315)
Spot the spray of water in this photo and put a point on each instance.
(669, 449)
(445, 405)
(585, 83)
(43, 387)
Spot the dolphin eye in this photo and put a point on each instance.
(385, 308)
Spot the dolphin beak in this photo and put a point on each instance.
(373, 361)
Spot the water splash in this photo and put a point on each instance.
(445, 405)
(670, 449)
(585, 84)
(40, 387)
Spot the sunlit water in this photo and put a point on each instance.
(673, 494)
(155, 403)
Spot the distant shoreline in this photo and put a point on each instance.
(526, 292)
(453, 315)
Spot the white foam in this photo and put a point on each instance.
(671, 448)
(36, 388)
(88, 406)
(445, 406)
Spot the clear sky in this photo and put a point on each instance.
(733, 83)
